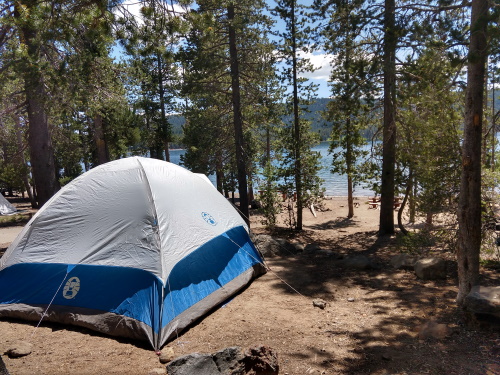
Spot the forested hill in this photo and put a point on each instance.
(312, 113)
(318, 124)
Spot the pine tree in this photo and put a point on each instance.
(29, 22)
(297, 139)
(353, 86)
(222, 69)
(429, 123)
(151, 42)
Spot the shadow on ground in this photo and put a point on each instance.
(400, 301)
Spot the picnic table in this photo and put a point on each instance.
(374, 202)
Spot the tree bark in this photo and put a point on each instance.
(413, 203)
(350, 166)
(219, 173)
(165, 128)
(409, 188)
(469, 210)
(296, 120)
(41, 151)
(493, 127)
(22, 160)
(102, 153)
(386, 225)
(237, 116)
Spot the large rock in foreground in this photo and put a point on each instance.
(260, 360)
(430, 269)
(195, 363)
(271, 247)
(404, 261)
(482, 307)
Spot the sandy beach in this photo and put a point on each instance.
(9, 234)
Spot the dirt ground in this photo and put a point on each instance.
(369, 326)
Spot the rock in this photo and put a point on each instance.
(271, 247)
(19, 349)
(404, 261)
(230, 361)
(156, 371)
(286, 248)
(312, 371)
(359, 262)
(267, 245)
(329, 253)
(311, 247)
(195, 363)
(167, 355)
(430, 269)
(298, 246)
(261, 360)
(319, 303)
(433, 330)
(482, 307)
(3, 368)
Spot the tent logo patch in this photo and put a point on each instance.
(208, 218)
(71, 288)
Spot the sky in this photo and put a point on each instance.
(319, 60)
(320, 76)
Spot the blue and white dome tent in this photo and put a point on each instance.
(136, 247)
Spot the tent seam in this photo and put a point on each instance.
(150, 194)
(157, 231)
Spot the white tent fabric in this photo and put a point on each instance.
(6, 208)
(205, 178)
(143, 248)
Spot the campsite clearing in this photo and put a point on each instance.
(370, 324)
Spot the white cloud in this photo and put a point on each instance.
(321, 63)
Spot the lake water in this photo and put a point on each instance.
(334, 184)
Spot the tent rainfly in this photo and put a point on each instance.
(137, 248)
(5, 207)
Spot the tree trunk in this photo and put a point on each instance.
(296, 120)
(251, 195)
(350, 199)
(469, 210)
(40, 144)
(409, 188)
(219, 174)
(41, 151)
(102, 153)
(413, 203)
(386, 225)
(429, 218)
(165, 128)
(22, 160)
(484, 148)
(238, 120)
(493, 127)
(349, 165)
